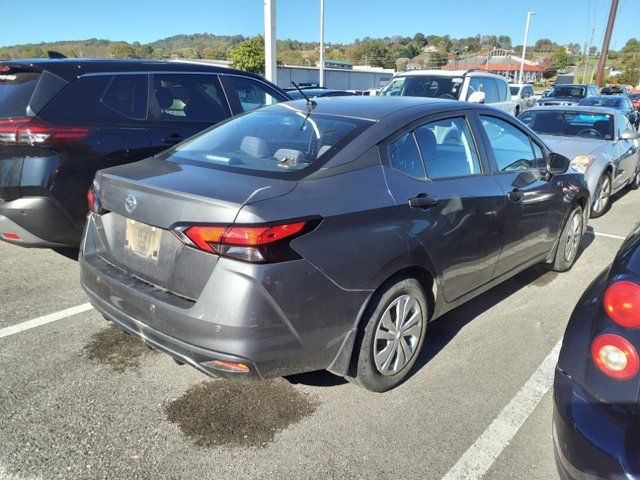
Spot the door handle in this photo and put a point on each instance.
(423, 201)
(516, 195)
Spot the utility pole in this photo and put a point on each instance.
(321, 43)
(270, 69)
(605, 42)
(524, 45)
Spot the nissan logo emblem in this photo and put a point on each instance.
(130, 203)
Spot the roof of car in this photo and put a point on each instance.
(374, 107)
(68, 68)
(575, 108)
(605, 97)
(448, 73)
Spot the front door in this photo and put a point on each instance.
(452, 207)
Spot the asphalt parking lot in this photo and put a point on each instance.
(79, 399)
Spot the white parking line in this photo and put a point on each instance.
(36, 322)
(607, 235)
(477, 460)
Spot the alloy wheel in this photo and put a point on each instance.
(602, 197)
(397, 335)
(574, 235)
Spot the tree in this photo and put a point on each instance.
(545, 45)
(144, 51)
(419, 40)
(504, 41)
(122, 50)
(560, 58)
(574, 48)
(249, 55)
(436, 60)
(401, 64)
(593, 50)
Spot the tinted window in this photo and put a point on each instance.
(15, 91)
(252, 94)
(486, 85)
(511, 147)
(98, 99)
(503, 90)
(448, 149)
(404, 156)
(569, 123)
(567, 91)
(188, 98)
(274, 140)
(611, 102)
(431, 86)
(127, 95)
(514, 90)
(528, 91)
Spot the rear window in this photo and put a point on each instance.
(569, 123)
(15, 92)
(275, 141)
(612, 102)
(431, 86)
(570, 91)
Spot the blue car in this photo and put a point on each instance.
(596, 427)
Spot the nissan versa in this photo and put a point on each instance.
(325, 234)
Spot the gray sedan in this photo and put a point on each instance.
(601, 143)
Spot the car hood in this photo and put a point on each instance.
(571, 147)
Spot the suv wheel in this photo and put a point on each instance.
(391, 337)
(569, 242)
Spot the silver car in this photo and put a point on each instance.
(600, 142)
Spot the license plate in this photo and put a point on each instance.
(142, 239)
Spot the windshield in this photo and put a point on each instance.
(431, 86)
(567, 91)
(15, 92)
(514, 90)
(612, 102)
(569, 124)
(273, 140)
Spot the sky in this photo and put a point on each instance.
(563, 21)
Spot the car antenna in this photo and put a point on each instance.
(310, 103)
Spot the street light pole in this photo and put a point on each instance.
(524, 45)
(321, 43)
(605, 43)
(270, 69)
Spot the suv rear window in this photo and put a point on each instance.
(15, 92)
(276, 141)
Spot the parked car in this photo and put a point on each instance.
(470, 85)
(601, 143)
(61, 120)
(522, 96)
(568, 94)
(622, 103)
(595, 419)
(317, 92)
(614, 90)
(635, 99)
(242, 250)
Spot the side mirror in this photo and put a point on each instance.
(629, 135)
(557, 164)
(477, 97)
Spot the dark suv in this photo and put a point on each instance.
(62, 120)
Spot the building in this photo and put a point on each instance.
(501, 62)
(337, 64)
(361, 78)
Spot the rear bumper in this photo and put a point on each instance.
(39, 222)
(278, 319)
(592, 440)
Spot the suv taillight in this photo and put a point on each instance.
(255, 244)
(30, 131)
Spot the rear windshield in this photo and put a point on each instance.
(432, 86)
(569, 123)
(612, 102)
(277, 140)
(15, 92)
(571, 91)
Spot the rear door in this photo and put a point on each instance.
(532, 200)
(450, 204)
(183, 104)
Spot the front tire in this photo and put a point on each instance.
(391, 337)
(601, 199)
(635, 183)
(569, 242)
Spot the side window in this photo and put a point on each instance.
(503, 89)
(187, 98)
(486, 85)
(99, 99)
(511, 147)
(405, 157)
(127, 95)
(448, 149)
(527, 92)
(539, 155)
(623, 125)
(252, 94)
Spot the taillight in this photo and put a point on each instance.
(622, 303)
(93, 200)
(615, 356)
(31, 132)
(256, 244)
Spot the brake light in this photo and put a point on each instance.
(93, 200)
(257, 244)
(622, 303)
(615, 356)
(11, 236)
(30, 131)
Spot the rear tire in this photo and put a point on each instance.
(602, 196)
(635, 183)
(569, 242)
(517, 111)
(391, 336)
